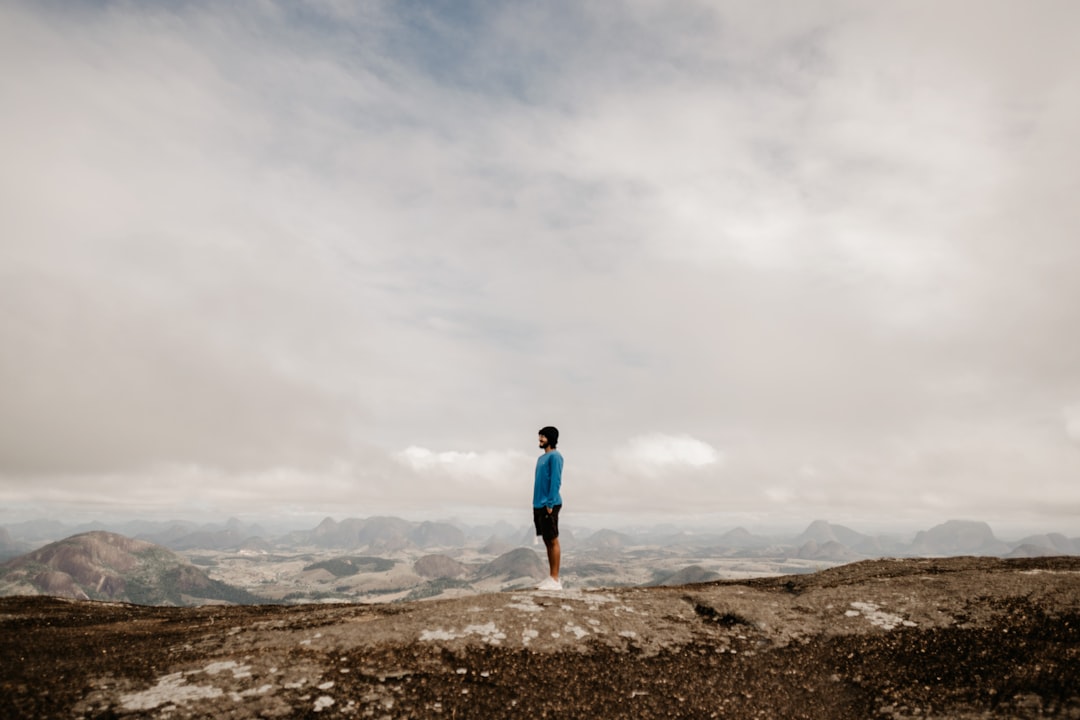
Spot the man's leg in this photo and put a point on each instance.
(554, 556)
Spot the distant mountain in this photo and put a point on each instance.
(385, 533)
(740, 537)
(332, 534)
(104, 566)
(1056, 543)
(862, 545)
(822, 532)
(437, 534)
(329, 534)
(830, 551)
(10, 547)
(208, 540)
(176, 535)
(958, 537)
(381, 534)
(37, 531)
(173, 534)
(165, 534)
(606, 540)
(500, 529)
(520, 562)
(1027, 550)
(880, 546)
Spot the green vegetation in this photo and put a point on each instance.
(351, 565)
(314, 597)
(168, 586)
(435, 587)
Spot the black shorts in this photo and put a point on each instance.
(547, 523)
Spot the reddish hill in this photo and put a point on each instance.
(106, 566)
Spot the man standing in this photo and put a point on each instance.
(547, 502)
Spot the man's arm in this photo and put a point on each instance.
(555, 463)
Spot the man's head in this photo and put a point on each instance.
(549, 437)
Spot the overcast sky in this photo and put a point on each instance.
(760, 262)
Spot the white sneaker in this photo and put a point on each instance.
(549, 583)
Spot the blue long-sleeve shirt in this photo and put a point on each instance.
(548, 480)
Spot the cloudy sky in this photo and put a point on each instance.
(759, 262)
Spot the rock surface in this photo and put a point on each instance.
(949, 638)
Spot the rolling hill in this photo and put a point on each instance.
(105, 566)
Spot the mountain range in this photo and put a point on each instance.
(389, 558)
(820, 540)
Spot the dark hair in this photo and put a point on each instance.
(552, 435)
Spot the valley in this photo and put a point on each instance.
(312, 574)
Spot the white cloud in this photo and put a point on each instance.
(496, 465)
(250, 238)
(1071, 415)
(657, 453)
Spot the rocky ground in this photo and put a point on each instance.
(953, 638)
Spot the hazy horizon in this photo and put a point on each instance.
(280, 525)
(769, 263)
